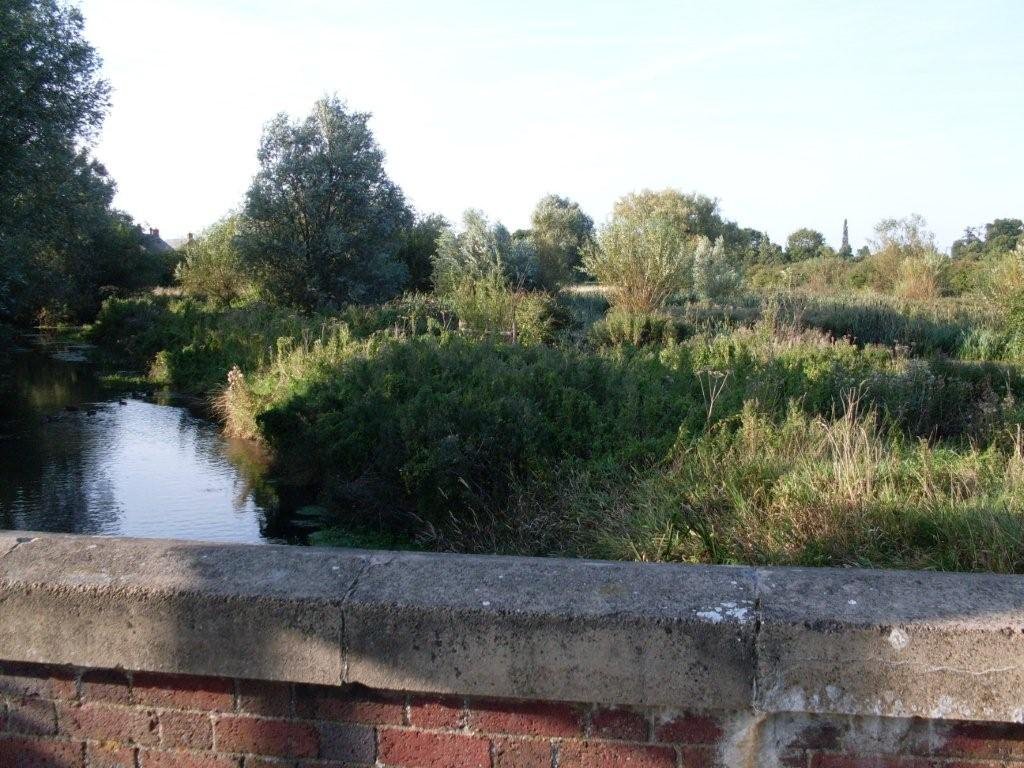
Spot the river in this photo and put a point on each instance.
(75, 458)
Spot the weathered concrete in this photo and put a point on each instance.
(561, 629)
(766, 641)
(899, 644)
(271, 613)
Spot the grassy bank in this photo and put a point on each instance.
(799, 430)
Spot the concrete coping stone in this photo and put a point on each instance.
(763, 640)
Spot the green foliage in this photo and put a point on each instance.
(845, 250)
(804, 244)
(560, 232)
(61, 246)
(620, 327)
(442, 427)
(714, 277)
(689, 215)
(644, 254)
(418, 249)
(486, 307)
(212, 267)
(480, 272)
(704, 435)
(841, 490)
(482, 252)
(323, 222)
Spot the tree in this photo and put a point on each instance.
(323, 220)
(767, 251)
(481, 272)
(690, 214)
(714, 278)
(212, 266)
(561, 230)
(59, 240)
(482, 251)
(906, 237)
(804, 244)
(969, 245)
(644, 254)
(845, 251)
(1003, 235)
(417, 250)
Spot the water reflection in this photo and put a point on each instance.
(75, 460)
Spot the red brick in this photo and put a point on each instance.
(263, 698)
(33, 680)
(522, 753)
(64, 686)
(347, 742)
(525, 718)
(416, 749)
(108, 723)
(186, 730)
(688, 729)
(36, 717)
(704, 757)
(160, 759)
(269, 762)
(106, 685)
(820, 760)
(820, 735)
(101, 756)
(19, 752)
(350, 705)
(184, 692)
(273, 738)
(618, 724)
(596, 754)
(435, 712)
(991, 740)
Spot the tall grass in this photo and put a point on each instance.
(831, 491)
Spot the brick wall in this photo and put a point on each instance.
(56, 717)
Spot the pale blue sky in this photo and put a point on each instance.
(791, 113)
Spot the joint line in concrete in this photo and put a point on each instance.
(343, 639)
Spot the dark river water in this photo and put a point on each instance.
(76, 459)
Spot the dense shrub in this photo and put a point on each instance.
(638, 329)
(644, 261)
(212, 266)
(442, 428)
(714, 277)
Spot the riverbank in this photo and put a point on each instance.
(742, 434)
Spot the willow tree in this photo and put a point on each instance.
(560, 232)
(323, 222)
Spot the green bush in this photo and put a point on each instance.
(442, 429)
(212, 267)
(638, 329)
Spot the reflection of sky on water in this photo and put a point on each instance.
(138, 469)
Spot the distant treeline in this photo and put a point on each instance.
(323, 226)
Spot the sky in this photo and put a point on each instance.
(793, 113)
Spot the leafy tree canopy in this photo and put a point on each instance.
(418, 248)
(61, 246)
(804, 244)
(482, 251)
(560, 232)
(324, 223)
(907, 237)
